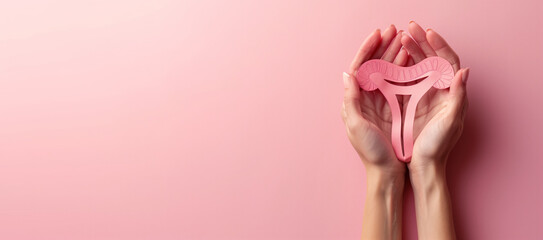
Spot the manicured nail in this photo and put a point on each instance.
(346, 80)
(411, 21)
(465, 75)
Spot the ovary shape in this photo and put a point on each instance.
(378, 74)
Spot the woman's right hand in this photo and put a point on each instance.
(367, 115)
(368, 121)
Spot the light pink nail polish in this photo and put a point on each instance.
(346, 80)
(465, 75)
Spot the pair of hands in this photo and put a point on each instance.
(438, 125)
(439, 116)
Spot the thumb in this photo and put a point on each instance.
(351, 98)
(458, 88)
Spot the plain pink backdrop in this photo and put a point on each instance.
(221, 119)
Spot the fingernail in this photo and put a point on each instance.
(411, 21)
(428, 29)
(465, 75)
(346, 80)
(392, 26)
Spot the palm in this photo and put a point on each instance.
(430, 121)
(376, 112)
(439, 115)
(369, 123)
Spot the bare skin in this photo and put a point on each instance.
(438, 125)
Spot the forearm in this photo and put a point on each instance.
(383, 209)
(432, 203)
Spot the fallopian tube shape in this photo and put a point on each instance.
(379, 74)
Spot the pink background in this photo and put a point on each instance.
(220, 119)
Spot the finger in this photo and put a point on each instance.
(386, 38)
(458, 89)
(352, 113)
(412, 48)
(442, 48)
(393, 48)
(365, 51)
(351, 98)
(410, 62)
(401, 58)
(419, 35)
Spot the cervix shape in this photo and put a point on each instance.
(379, 74)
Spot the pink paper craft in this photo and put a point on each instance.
(380, 74)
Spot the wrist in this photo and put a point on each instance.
(427, 168)
(427, 176)
(383, 207)
(432, 201)
(385, 183)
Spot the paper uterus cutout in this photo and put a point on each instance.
(388, 78)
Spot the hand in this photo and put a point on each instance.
(440, 113)
(438, 125)
(368, 121)
(367, 115)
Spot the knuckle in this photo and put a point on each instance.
(456, 60)
(349, 97)
(355, 125)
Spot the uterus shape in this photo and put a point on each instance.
(393, 80)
